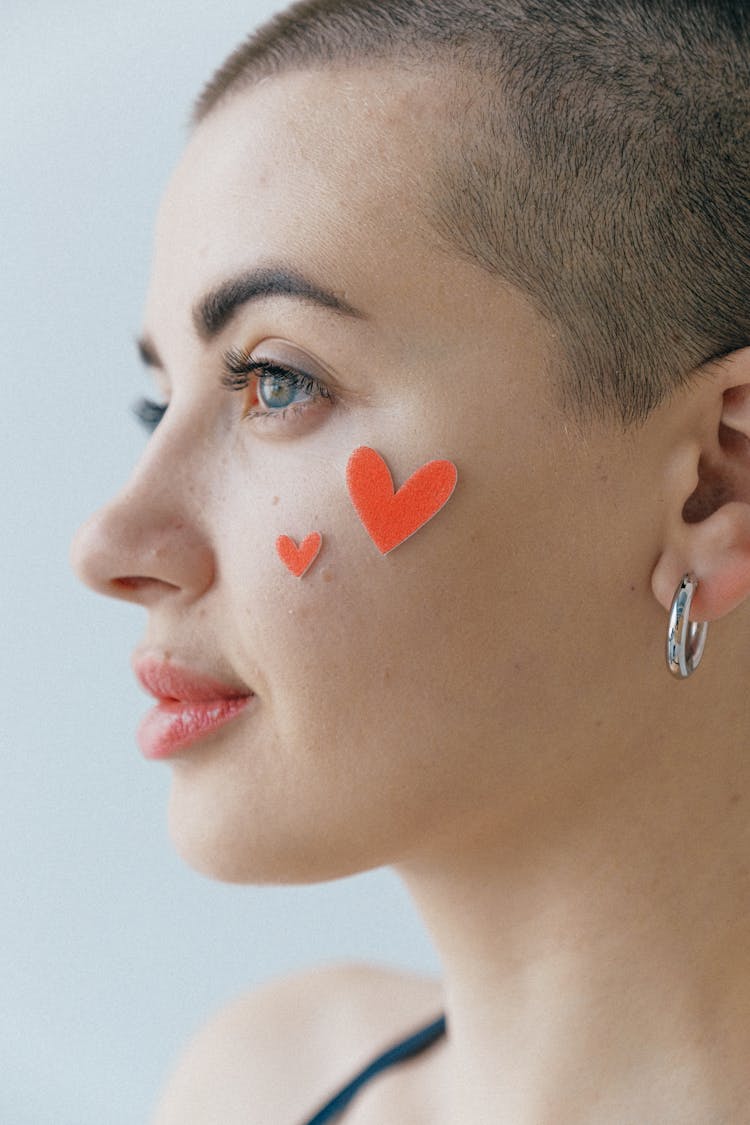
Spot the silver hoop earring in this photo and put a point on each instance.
(686, 639)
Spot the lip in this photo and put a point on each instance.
(190, 705)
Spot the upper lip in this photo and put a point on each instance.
(165, 680)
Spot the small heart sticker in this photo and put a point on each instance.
(390, 517)
(298, 559)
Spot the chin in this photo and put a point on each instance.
(244, 848)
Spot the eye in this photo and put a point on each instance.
(278, 390)
(278, 387)
(149, 413)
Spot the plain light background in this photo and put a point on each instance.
(112, 951)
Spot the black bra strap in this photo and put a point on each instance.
(406, 1049)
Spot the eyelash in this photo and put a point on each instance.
(149, 413)
(239, 370)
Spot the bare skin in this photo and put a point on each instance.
(486, 709)
(282, 1051)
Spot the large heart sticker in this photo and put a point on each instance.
(390, 517)
(298, 559)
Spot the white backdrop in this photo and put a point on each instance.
(111, 950)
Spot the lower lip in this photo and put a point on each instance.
(173, 725)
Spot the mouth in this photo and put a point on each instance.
(190, 705)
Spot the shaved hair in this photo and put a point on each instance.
(596, 156)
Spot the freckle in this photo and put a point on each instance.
(632, 589)
(327, 576)
(275, 500)
(735, 798)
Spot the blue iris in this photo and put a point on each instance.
(276, 390)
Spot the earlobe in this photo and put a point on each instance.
(717, 551)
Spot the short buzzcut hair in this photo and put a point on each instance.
(594, 155)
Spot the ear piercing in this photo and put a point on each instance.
(685, 639)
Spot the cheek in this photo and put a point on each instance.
(361, 638)
(420, 643)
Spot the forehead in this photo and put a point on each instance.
(327, 172)
(323, 169)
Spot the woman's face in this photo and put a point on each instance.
(397, 696)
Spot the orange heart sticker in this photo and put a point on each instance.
(390, 517)
(298, 559)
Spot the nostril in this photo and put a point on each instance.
(139, 587)
(130, 583)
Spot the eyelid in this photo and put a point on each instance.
(275, 350)
(247, 369)
(240, 371)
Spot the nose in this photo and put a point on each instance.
(148, 542)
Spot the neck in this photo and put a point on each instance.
(597, 964)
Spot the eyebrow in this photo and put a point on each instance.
(216, 308)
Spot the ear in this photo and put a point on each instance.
(707, 529)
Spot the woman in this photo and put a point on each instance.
(449, 314)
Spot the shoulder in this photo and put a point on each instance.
(277, 1051)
